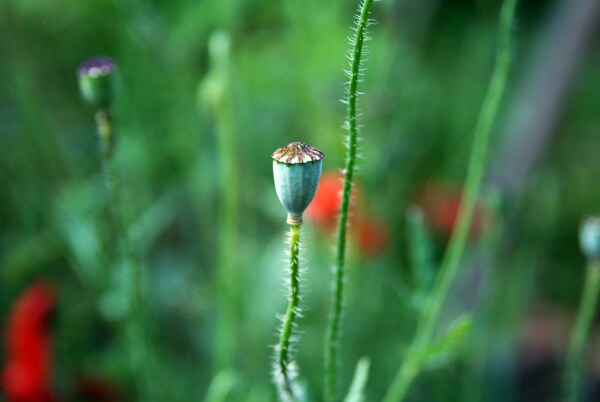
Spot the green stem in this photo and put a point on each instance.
(134, 325)
(228, 215)
(284, 372)
(475, 172)
(573, 378)
(337, 297)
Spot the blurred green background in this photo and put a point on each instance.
(427, 72)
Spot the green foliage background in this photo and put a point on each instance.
(428, 70)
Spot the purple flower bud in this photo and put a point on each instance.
(97, 81)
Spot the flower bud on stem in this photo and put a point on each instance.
(98, 87)
(575, 369)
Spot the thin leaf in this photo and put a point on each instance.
(420, 248)
(361, 375)
(421, 255)
(221, 386)
(447, 348)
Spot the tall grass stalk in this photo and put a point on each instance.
(573, 379)
(337, 297)
(134, 322)
(413, 362)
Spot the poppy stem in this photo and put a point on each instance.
(413, 362)
(337, 296)
(134, 325)
(285, 370)
(573, 378)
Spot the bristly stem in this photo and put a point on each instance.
(134, 324)
(337, 296)
(285, 372)
(575, 369)
(412, 364)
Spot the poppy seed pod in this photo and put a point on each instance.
(589, 237)
(296, 170)
(98, 81)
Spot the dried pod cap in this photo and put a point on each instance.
(296, 169)
(98, 81)
(589, 237)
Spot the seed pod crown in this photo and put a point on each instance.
(297, 152)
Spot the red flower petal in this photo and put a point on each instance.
(27, 375)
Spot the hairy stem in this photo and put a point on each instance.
(573, 378)
(337, 297)
(476, 169)
(284, 382)
(134, 324)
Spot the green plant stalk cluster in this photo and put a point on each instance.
(284, 370)
(134, 322)
(574, 373)
(337, 297)
(413, 363)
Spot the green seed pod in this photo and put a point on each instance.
(98, 81)
(589, 237)
(296, 169)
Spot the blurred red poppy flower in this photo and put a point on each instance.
(441, 205)
(372, 236)
(324, 208)
(27, 375)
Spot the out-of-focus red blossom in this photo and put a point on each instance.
(27, 375)
(441, 204)
(96, 390)
(324, 208)
(371, 235)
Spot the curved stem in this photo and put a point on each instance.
(573, 378)
(337, 297)
(134, 325)
(284, 371)
(475, 172)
